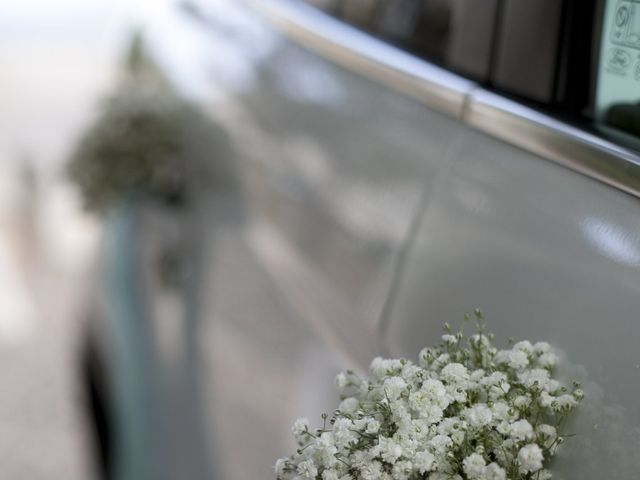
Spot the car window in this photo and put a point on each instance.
(527, 48)
(576, 59)
(618, 92)
(327, 5)
(360, 13)
(543, 52)
(540, 52)
(457, 34)
(470, 46)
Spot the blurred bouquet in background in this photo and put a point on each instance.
(147, 141)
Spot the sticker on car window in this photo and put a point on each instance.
(619, 65)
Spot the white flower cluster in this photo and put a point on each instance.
(465, 411)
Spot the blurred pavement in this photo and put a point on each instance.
(42, 435)
(57, 60)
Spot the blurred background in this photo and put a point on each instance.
(60, 59)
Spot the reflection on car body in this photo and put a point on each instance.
(381, 187)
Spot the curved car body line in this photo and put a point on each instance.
(361, 53)
(448, 93)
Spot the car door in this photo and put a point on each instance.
(537, 223)
(298, 264)
(381, 195)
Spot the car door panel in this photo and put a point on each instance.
(548, 254)
(334, 170)
(345, 173)
(369, 213)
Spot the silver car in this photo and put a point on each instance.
(377, 168)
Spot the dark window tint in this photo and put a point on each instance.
(528, 46)
(361, 13)
(398, 19)
(543, 51)
(326, 5)
(472, 31)
(433, 27)
(455, 33)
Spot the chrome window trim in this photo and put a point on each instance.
(455, 96)
(357, 51)
(554, 140)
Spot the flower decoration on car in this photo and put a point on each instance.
(465, 411)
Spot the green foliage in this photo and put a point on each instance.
(133, 146)
(139, 142)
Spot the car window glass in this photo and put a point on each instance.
(327, 5)
(455, 33)
(360, 13)
(528, 48)
(618, 89)
(423, 26)
(471, 42)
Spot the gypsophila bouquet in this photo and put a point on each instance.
(466, 411)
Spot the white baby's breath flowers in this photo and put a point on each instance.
(393, 387)
(465, 411)
(342, 381)
(493, 471)
(300, 429)
(307, 469)
(423, 461)
(280, 465)
(449, 339)
(474, 466)
(349, 405)
(521, 430)
(530, 458)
